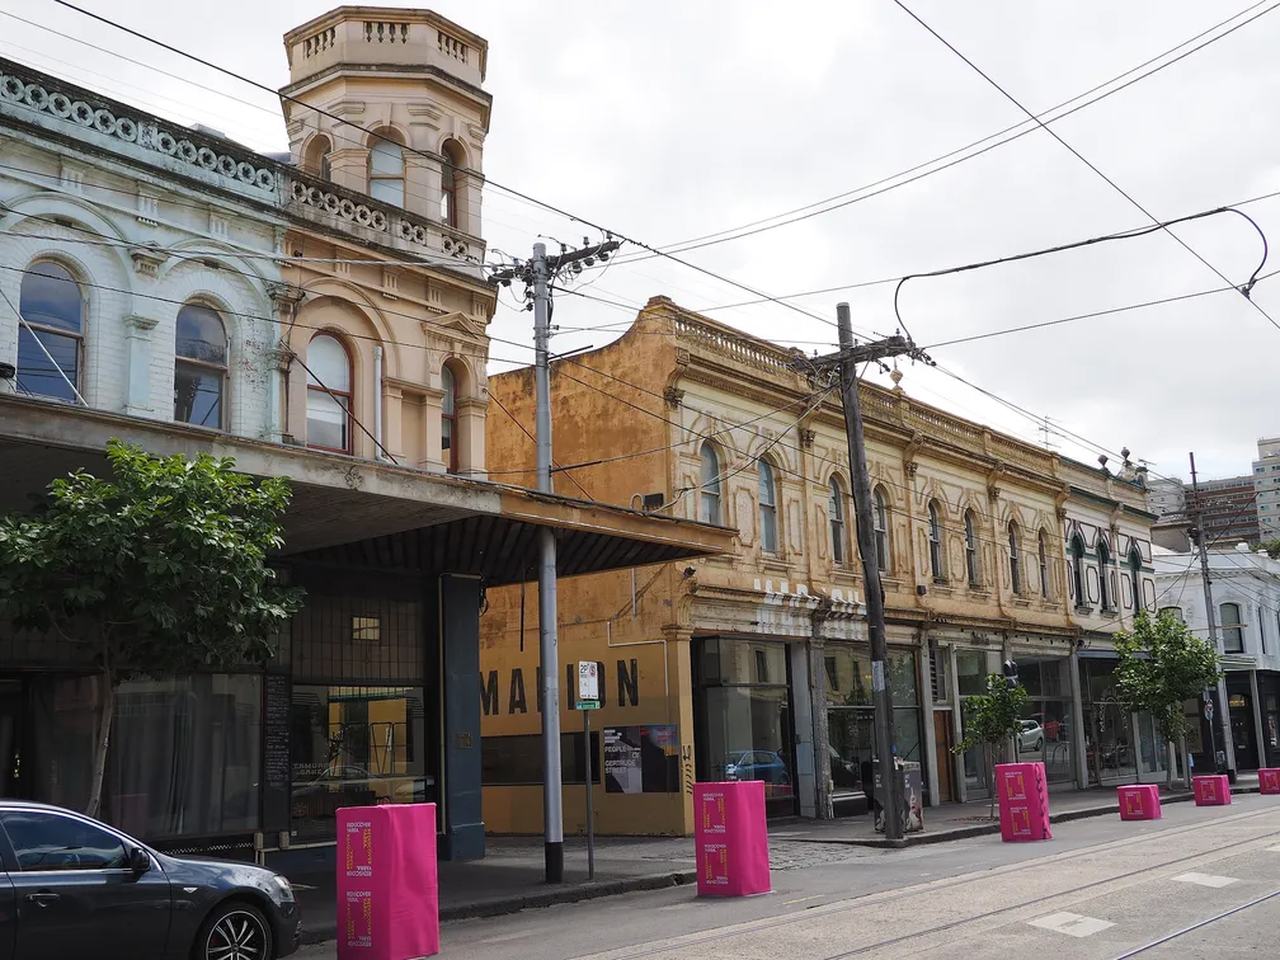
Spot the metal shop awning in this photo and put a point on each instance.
(361, 512)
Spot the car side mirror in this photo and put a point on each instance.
(139, 860)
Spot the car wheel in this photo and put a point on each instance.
(1039, 744)
(234, 931)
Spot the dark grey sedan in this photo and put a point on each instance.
(73, 887)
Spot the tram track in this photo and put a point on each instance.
(1167, 938)
(866, 901)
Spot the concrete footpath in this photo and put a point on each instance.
(509, 879)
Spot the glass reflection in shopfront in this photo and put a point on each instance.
(744, 723)
(355, 746)
(851, 717)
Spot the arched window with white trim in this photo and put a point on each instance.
(328, 394)
(452, 183)
(971, 549)
(386, 170)
(200, 367)
(709, 490)
(768, 507)
(880, 525)
(935, 541)
(835, 514)
(50, 333)
(1042, 550)
(449, 419)
(1015, 558)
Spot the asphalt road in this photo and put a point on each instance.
(1100, 890)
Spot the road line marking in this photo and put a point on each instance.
(1072, 924)
(816, 896)
(1206, 879)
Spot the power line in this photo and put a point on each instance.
(560, 211)
(512, 417)
(1245, 290)
(745, 230)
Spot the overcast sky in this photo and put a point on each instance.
(667, 121)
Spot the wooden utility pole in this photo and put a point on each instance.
(846, 362)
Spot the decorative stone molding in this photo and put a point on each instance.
(807, 436)
(673, 396)
(143, 132)
(147, 261)
(139, 323)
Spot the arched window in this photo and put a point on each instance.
(1077, 571)
(386, 172)
(1015, 558)
(1175, 612)
(880, 524)
(768, 508)
(1135, 573)
(935, 540)
(451, 181)
(200, 366)
(1042, 547)
(449, 419)
(316, 161)
(835, 510)
(709, 498)
(1104, 591)
(51, 340)
(1232, 628)
(971, 549)
(328, 394)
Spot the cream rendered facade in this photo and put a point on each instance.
(389, 262)
(755, 664)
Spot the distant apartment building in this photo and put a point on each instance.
(1266, 487)
(1166, 497)
(1226, 509)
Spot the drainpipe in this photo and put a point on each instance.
(377, 402)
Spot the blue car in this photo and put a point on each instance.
(766, 765)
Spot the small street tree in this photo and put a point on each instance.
(991, 720)
(1163, 665)
(160, 571)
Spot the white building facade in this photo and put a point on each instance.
(1246, 599)
(1266, 485)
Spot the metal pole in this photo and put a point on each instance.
(1211, 615)
(591, 829)
(882, 697)
(552, 813)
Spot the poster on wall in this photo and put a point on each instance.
(642, 759)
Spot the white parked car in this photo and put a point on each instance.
(1032, 736)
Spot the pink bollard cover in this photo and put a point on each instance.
(1212, 790)
(1023, 794)
(1269, 780)
(732, 842)
(388, 892)
(1139, 801)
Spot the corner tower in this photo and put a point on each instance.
(412, 78)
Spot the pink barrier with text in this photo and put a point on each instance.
(1269, 780)
(1139, 801)
(1024, 802)
(388, 895)
(1211, 790)
(732, 843)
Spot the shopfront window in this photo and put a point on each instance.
(186, 757)
(1046, 734)
(851, 716)
(972, 669)
(743, 717)
(355, 746)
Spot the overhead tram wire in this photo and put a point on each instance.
(745, 230)
(1244, 290)
(552, 208)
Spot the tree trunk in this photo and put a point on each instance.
(991, 781)
(106, 710)
(1186, 761)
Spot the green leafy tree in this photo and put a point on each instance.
(1162, 665)
(1272, 547)
(160, 571)
(991, 720)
